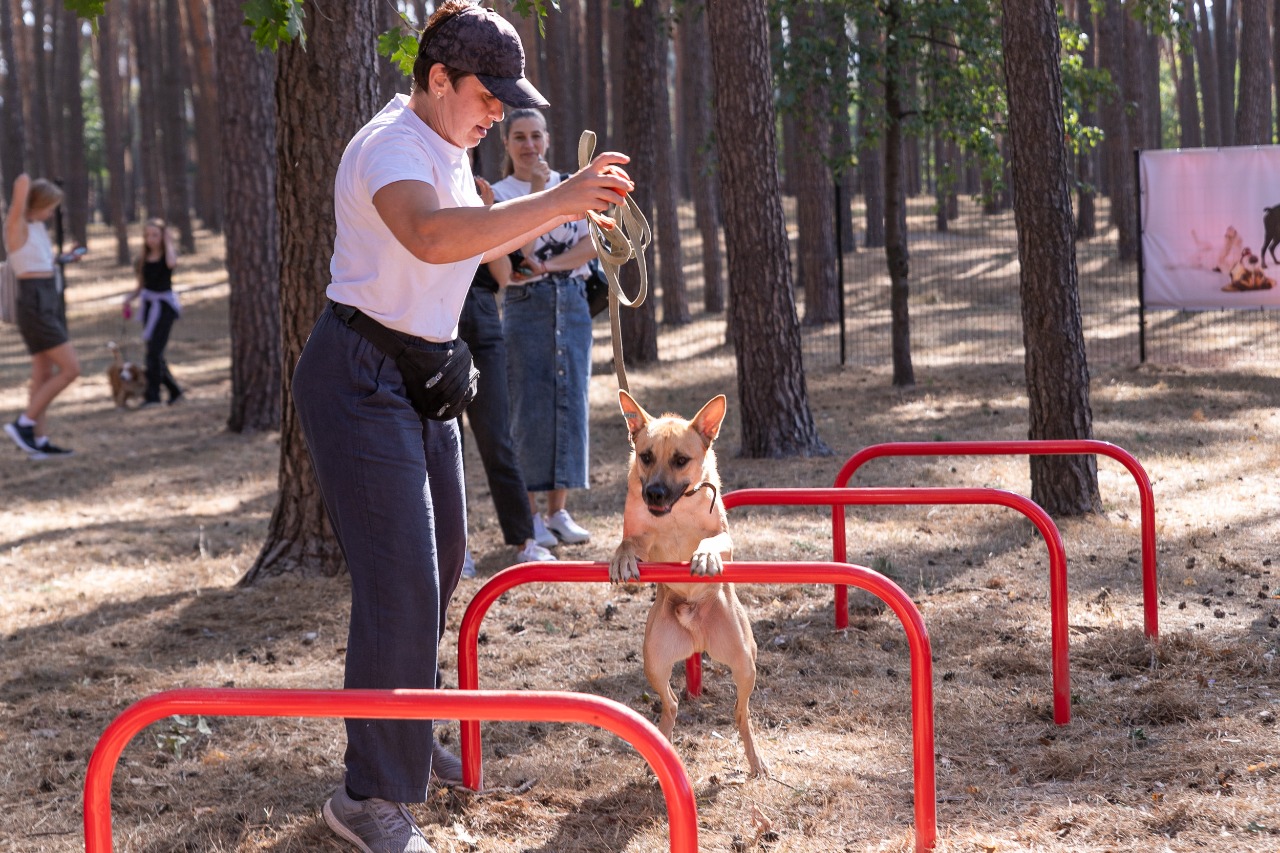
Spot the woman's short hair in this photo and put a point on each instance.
(422, 65)
(43, 194)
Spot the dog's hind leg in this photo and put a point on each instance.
(730, 641)
(665, 642)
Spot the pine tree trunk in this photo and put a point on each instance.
(1188, 103)
(1086, 214)
(616, 22)
(643, 67)
(815, 184)
(1253, 112)
(113, 128)
(696, 104)
(39, 96)
(561, 90)
(1056, 368)
(870, 145)
(1207, 63)
(595, 77)
(895, 206)
(146, 60)
(13, 133)
(1224, 45)
(246, 81)
(776, 419)
(324, 94)
(1117, 146)
(204, 101)
(173, 128)
(70, 117)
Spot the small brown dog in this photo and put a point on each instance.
(127, 379)
(673, 514)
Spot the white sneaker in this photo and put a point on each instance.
(468, 565)
(541, 535)
(532, 552)
(565, 529)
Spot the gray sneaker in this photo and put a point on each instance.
(374, 826)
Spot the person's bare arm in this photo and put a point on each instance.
(438, 235)
(15, 221)
(170, 248)
(500, 269)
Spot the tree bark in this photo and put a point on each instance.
(1224, 45)
(1056, 368)
(870, 145)
(1117, 146)
(38, 96)
(145, 58)
(70, 115)
(639, 139)
(895, 206)
(113, 128)
(323, 96)
(1253, 110)
(13, 134)
(1086, 213)
(1188, 103)
(1207, 63)
(204, 102)
(696, 103)
(815, 184)
(595, 77)
(246, 81)
(776, 419)
(173, 127)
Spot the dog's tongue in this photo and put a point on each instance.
(657, 509)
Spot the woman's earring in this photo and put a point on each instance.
(439, 95)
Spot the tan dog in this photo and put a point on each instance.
(673, 514)
(127, 379)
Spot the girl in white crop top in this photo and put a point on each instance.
(41, 320)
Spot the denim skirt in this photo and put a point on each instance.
(547, 326)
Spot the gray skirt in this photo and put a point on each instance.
(547, 326)
(42, 319)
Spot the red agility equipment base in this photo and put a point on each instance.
(840, 498)
(736, 573)
(391, 705)
(1047, 447)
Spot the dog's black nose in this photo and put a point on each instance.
(656, 494)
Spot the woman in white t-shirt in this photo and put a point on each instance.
(547, 325)
(411, 232)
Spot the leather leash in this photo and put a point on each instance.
(614, 247)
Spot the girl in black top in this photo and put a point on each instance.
(160, 307)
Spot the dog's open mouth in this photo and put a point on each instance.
(658, 509)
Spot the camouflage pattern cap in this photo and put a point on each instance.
(484, 43)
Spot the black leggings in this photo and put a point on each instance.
(157, 368)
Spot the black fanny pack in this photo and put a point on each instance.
(439, 383)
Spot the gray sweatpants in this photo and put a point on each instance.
(392, 485)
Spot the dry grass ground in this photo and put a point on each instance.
(118, 573)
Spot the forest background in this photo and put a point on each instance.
(891, 101)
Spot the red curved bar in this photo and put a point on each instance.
(1047, 447)
(736, 572)
(1058, 642)
(391, 704)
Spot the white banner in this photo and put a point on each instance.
(1211, 227)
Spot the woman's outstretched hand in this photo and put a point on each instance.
(601, 184)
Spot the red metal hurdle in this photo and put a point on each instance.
(391, 704)
(841, 497)
(736, 572)
(1046, 447)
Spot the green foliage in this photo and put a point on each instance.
(400, 47)
(275, 21)
(90, 9)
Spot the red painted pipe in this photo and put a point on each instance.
(1052, 447)
(1059, 640)
(735, 572)
(386, 705)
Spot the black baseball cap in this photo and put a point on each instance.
(482, 42)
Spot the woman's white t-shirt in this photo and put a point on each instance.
(371, 270)
(556, 241)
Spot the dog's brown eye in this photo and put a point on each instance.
(646, 458)
(679, 460)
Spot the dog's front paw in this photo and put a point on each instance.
(624, 566)
(706, 563)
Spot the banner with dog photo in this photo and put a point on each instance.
(1210, 227)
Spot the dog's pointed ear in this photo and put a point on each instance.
(636, 416)
(707, 421)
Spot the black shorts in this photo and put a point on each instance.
(40, 319)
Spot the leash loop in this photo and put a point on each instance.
(615, 247)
